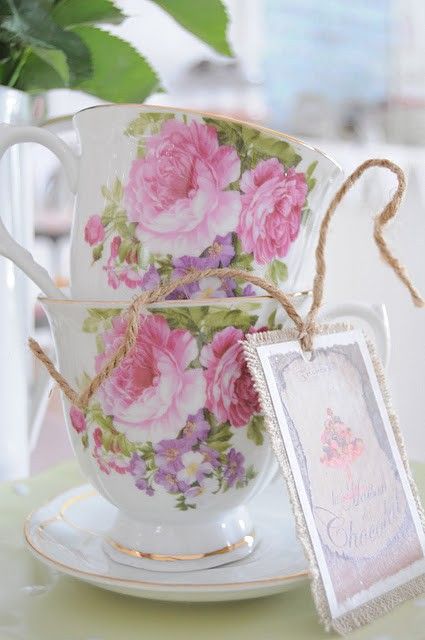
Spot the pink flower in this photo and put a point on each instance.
(94, 233)
(272, 202)
(230, 392)
(340, 447)
(78, 420)
(152, 388)
(177, 192)
(97, 437)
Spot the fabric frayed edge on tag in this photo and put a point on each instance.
(369, 611)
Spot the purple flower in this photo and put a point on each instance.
(193, 492)
(142, 484)
(234, 469)
(249, 290)
(228, 285)
(222, 250)
(137, 466)
(168, 454)
(187, 264)
(170, 482)
(210, 455)
(195, 468)
(151, 279)
(196, 427)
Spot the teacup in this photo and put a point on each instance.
(174, 438)
(161, 191)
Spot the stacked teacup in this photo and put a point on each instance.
(174, 437)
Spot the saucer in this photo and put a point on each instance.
(68, 535)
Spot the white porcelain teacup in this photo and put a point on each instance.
(160, 191)
(174, 437)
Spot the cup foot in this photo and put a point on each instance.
(184, 547)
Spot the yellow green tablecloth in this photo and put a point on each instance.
(36, 604)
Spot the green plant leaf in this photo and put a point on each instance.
(36, 74)
(206, 19)
(71, 12)
(120, 73)
(31, 25)
(255, 430)
(277, 272)
(55, 59)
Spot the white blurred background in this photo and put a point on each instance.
(347, 76)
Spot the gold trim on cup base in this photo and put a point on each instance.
(246, 540)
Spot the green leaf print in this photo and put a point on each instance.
(182, 504)
(311, 182)
(220, 436)
(99, 319)
(97, 252)
(222, 318)
(277, 271)
(253, 145)
(117, 190)
(164, 265)
(256, 429)
(267, 147)
(147, 123)
(271, 320)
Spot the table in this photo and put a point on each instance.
(37, 603)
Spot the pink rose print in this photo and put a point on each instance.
(340, 447)
(152, 388)
(272, 201)
(177, 193)
(230, 392)
(78, 420)
(94, 233)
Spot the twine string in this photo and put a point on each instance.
(388, 212)
(306, 328)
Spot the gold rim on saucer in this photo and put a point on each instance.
(60, 515)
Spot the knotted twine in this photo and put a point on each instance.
(306, 327)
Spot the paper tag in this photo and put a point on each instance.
(339, 445)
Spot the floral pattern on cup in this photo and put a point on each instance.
(201, 192)
(186, 380)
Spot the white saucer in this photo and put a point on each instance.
(67, 534)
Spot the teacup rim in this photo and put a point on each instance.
(219, 116)
(169, 303)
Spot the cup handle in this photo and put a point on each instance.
(10, 135)
(374, 316)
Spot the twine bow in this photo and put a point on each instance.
(306, 327)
